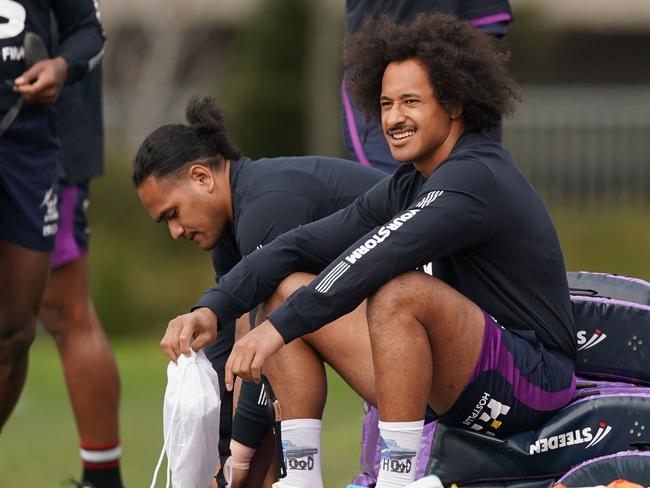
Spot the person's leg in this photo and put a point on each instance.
(298, 378)
(426, 338)
(28, 222)
(23, 274)
(344, 344)
(433, 333)
(252, 445)
(479, 376)
(68, 314)
(89, 367)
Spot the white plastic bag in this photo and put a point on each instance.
(190, 423)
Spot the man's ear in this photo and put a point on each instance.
(456, 110)
(202, 175)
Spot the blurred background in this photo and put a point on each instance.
(582, 135)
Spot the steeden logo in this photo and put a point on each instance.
(597, 337)
(574, 437)
(603, 430)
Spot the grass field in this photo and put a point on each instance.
(39, 448)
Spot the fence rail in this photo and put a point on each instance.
(584, 144)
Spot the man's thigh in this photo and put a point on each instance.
(24, 274)
(516, 384)
(426, 339)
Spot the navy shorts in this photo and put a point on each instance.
(72, 237)
(516, 384)
(28, 181)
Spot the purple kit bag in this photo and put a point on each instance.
(632, 466)
(612, 325)
(612, 318)
(602, 422)
(370, 448)
(606, 285)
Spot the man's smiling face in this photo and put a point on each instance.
(416, 125)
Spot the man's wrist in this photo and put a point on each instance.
(208, 312)
(62, 68)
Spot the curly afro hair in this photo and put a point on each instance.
(463, 64)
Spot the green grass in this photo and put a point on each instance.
(609, 237)
(39, 447)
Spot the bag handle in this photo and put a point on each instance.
(167, 440)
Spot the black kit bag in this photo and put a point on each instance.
(601, 420)
(606, 285)
(612, 325)
(633, 466)
(612, 318)
(530, 483)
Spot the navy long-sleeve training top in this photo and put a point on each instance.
(476, 217)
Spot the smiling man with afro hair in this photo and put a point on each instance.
(463, 65)
(492, 317)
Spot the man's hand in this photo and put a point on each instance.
(43, 82)
(198, 328)
(251, 351)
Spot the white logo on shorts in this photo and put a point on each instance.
(487, 420)
(51, 217)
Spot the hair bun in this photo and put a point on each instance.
(202, 113)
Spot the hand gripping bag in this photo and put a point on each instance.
(190, 423)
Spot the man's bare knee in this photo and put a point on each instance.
(397, 294)
(60, 319)
(286, 288)
(16, 336)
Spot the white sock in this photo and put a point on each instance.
(400, 446)
(301, 439)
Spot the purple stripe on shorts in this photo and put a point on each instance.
(495, 356)
(65, 247)
(491, 19)
(352, 127)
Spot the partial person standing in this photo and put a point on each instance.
(363, 136)
(67, 312)
(28, 165)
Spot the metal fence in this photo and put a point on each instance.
(584, 144)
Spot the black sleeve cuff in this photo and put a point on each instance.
(221, 304)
